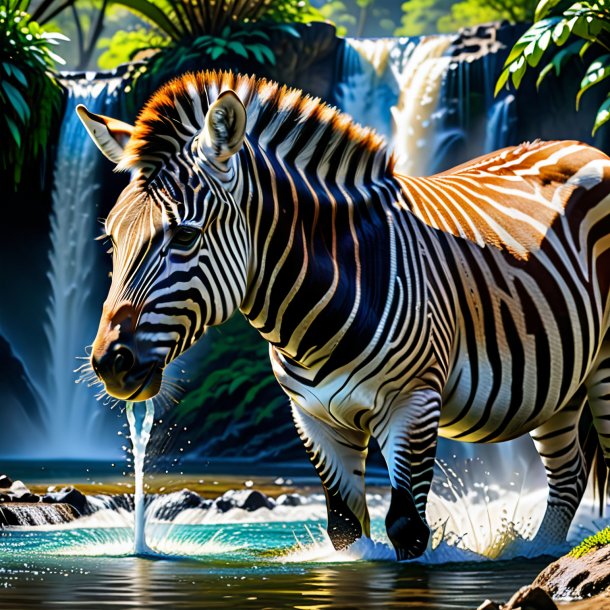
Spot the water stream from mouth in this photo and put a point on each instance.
(140, 421)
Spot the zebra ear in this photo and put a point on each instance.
(225, 127)
(109, 135)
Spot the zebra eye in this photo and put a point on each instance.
(185, 237)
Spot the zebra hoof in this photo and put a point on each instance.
(409, 537)
(407, 531)
(343, 528)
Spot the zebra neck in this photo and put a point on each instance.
(320, 253)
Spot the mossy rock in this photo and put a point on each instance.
(583, 573)
(592, 543)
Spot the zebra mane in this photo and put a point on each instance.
(176, 112)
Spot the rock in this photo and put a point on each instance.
(526, 598)
(28, 498)
(5, 481)
(245, 499)
(532, 597)
(224, 504)
(573, 577)
(18, 489)
(256, 500)
(289, 500)
(173, 504)
(71, 496)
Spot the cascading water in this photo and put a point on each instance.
(75, 425)
(393, 85)
(140, 425)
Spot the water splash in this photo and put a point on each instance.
(140, 425)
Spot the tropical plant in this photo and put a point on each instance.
(187, 20)
(30, 96)
(248, 42)
(576, 27)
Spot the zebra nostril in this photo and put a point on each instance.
(123, 359)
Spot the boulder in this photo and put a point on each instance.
(289, 500)
(527, 598)
(246, 499)
(173, 504)
(69, 495)
(255, 500)
(577, 576)
(18, 489)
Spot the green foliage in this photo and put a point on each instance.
(187, 20)
(238, 384)
(124, 45)
(592, 543)
(30, 97)
(247, 42)
(428, 16)
(557, 23)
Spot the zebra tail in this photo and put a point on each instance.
(594, 458)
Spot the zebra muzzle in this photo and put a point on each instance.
(124, 377)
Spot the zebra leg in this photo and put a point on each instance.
(598, 394)
(407, 437)
(558, 445)
(338, 455)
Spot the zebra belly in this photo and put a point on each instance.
(520, 361)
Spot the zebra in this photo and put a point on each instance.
(471, 304)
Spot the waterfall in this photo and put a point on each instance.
(75, 424)
(393, 85)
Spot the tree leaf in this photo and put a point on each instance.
(17, 102)
(561, 32)
(238, 48)
(255, 50)
(596, 72)
(546, 7)
(14, 130)
(502, 80)
(216, 52)
(603, 115)
(528, 40)
(268, 53)
(517, 70)
(539, 47)
(20, 76)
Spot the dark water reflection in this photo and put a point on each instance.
(136, 583)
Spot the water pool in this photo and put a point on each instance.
(246, 565)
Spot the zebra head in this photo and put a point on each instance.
(178, 235)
